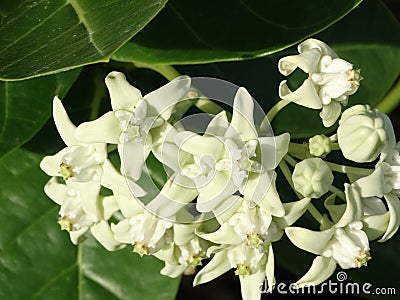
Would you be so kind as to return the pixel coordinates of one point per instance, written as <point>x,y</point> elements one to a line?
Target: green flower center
<point>141,248</point>
<point>65,223</point>
<point>362,259</point>
<point>66,171</point>
<point>242,270</point>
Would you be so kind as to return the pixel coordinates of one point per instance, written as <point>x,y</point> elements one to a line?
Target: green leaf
<point>26,105</point>
<point>37,260</point>
<point>42,37</point>
<point>228,30</point>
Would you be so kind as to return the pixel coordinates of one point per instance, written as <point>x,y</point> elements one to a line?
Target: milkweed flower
<point>330,79</point>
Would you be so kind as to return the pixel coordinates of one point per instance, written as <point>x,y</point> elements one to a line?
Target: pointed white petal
<point>122,231</point>
<point>63,123</point>
<point>307,61</point>
<point>172,198</point>
<point>242,122</point>
<point>218,265</point>
<point>390,139</point>
<point>110,206</point>
<point>316,44</point>
<point>218,125</point>
<point>293,211</point>
<point>56,191</point>
<point>76,236</point>
<point>183,233</point>
<point>103,234</point>
<point>394,219</point>
<point>354,209</point>
<point>199,145</point>
<point>116,182</point>
<point>133,156</point>
<point>270,268</point>
<point>173,271</point>
<point>122,94</point>
<point>330,113</point>
<point>51,164</point>
<point>262,190</point>
<point>224,235</point>
<point>376,225</point>
<point>164,99</point>
<point>129,206</point>
<point>250,285</point>
<point>372,185</point>
<point>89,195</point>
<point>273,149</point>
<point>309,240</point>
<point>305,95</point>
<point>321,269</point>
<point>105,129</point>
<point>215,192</point>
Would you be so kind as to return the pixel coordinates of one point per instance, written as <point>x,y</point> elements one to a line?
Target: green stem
<point>391,100</point>
<point>338,192</point>
<point>300,151</point>
<point>169,72</point>
<point>99,91</point>
<point>275,109</point>
<point>290,160</point>
<point>347,169</point>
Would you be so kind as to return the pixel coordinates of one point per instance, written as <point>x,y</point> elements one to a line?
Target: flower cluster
<point>221,199</point>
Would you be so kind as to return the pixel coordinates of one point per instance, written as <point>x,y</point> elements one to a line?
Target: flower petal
<point>293,211</point>
<point>63,123</point>
<point>51,164</point>
<point>316,44</point>
<point>56,191</point>
<point>336,211</point>
<point>224,235</point>
<point>119,183</point>
<point>122,94</point>
<point>103,234</point>
<point>354,209</point>
<point>183,233</point>
<point>376,225</point>
<point>309,240</point>
<point>330,113</point>
<point>199,145</point>
<point>321,269</point>
<point>305,95</point>
<point>394,220</point>
<point>216,191</point>
<point>218,265</point>
<point>173,271</point>
<point>163,99</point>
<point>110,206</point>
<point>89,195</point>
<point>172,198</point>
<point>133,156</point>
<point>250,285</point>
<point>242,122</point>
<point>371,185</point>
<point>105,129</point>
<point>76,236</point>
<point>218,125</point>
<point>307,61</point>
<point>273,149</point>
<point>129,206</point>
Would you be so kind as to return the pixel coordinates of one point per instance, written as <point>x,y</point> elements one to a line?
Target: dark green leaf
<point>37,260</point>
<point>184,33</point>
<point>41,37</point>
<point>26,105</point>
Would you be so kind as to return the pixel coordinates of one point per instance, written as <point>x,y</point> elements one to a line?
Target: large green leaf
<point>37,260</point>
<point>26,105</point>
<point>41,37</point>
<point>223,30</point>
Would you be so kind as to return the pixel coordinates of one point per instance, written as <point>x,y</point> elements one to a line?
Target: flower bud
<point>364,133</point>
<point>320,145</point>
<point>312,177</point>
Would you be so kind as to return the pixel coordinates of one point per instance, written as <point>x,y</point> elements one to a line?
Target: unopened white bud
<point>320,145</point>
<point>312,177</point>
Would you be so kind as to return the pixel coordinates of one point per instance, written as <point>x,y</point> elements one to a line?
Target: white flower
<point>78,161</point>
<point>80,206</point>
<point>331,79</point>
<point>238,159</point>
<point>345,243</point>
<point>319,145</point>
<point>144,231</point>
<point>132,118</point>
<point>364,134</point>
<point>312,177</point>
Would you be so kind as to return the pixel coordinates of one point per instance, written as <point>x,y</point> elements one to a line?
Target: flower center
<point>65,223</point>
<point>141,248</point>
<point>66,171</point>
<point>362,259</point>
<point>242,270</point>
<point>254,239</point>
<point>195,260</point>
